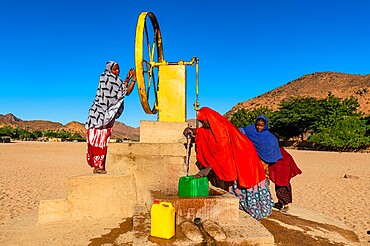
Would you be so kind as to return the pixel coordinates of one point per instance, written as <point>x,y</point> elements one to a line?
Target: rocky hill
<point>120,130</point>
<point>316,85</point>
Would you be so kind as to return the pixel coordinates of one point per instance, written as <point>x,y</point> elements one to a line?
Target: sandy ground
<point>33,171</point>
<point>322,186</point>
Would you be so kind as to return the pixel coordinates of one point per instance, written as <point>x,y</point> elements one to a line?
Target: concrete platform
<point>220,206</point>
<point>302,227</point>
<point>113,209</point>
<point>246,231</point>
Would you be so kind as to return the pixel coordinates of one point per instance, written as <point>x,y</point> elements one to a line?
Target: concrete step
<point>149,149</point>
<point>92,196</point>
<point>157,166</point>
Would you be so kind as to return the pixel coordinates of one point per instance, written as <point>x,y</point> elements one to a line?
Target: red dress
<point>284,169</point>
<point>97,145</point>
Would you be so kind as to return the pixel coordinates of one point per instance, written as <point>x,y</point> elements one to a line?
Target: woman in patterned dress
<point>222,148</point>
<point>106,108</point>
<point>279,165</point>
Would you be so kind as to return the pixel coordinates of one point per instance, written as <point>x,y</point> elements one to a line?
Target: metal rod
<point>188,142</point>
<point>196,103</point>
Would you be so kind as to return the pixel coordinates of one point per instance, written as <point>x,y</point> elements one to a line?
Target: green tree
<point>334,123</point>
<point>18,131</point>
<point>50,134</point>
<point>367,122</point>
<point>77,136</point>
<point>244,118</point>
<point>7,130</point>
<point>63,134</point>
<point>348,133</point>
<point>296,116</point>
<point>334,109</point>
<point>37,133</point>
<point>25,134</point>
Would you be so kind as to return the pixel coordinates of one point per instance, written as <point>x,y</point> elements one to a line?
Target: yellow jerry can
<point>162,220</point>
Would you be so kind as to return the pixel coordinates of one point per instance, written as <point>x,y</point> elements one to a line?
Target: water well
<point>140,172</point>
<point>220,206</point>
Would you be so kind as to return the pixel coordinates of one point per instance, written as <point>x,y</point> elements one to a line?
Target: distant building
<point>55,140</point>
<point>5,139</point>
<point>113,140</point>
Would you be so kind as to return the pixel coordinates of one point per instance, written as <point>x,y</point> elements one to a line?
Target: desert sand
<point>332,183</point>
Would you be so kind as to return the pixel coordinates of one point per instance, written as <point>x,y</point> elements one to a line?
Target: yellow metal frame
<point>140,62</point>
<point>146,68</point>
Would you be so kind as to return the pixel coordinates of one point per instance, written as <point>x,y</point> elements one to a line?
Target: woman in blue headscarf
<point>266,143</point>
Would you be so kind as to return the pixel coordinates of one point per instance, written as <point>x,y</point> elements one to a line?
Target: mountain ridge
<point>316,85</point>
<point>120,130</point>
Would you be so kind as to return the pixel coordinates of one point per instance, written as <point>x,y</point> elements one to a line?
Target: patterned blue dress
<point>256,201</point>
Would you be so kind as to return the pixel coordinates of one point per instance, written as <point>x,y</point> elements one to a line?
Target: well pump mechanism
<point>161,84</point>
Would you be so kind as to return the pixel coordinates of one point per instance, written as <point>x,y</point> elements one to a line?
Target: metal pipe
<point>188,143</point>
<point>196,103</point>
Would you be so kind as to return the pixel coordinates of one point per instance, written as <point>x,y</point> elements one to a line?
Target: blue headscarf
<point>265,142</point>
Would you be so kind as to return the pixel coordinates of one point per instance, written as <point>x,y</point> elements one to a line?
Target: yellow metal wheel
<point>148,52</point>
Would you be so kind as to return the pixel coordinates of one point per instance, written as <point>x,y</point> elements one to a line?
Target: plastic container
<point>162,220</point>
<point>193,187</point>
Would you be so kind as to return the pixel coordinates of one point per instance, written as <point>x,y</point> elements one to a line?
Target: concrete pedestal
<point>133,171</point>
<point>162,132</point>
<point>92,196</point>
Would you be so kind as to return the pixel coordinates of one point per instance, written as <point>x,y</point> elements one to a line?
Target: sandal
<point>100,171</point>
<point>278,206</point>
<point>284,210</point>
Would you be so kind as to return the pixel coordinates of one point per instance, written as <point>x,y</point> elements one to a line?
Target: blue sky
<point>52,52</point>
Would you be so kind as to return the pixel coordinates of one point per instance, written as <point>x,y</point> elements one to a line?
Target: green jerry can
<point>193,187</point>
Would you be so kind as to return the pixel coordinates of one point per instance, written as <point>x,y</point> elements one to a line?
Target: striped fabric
<point>108,103</point>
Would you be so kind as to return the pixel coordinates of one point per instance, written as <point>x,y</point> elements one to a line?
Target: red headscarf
<point>227,151</point>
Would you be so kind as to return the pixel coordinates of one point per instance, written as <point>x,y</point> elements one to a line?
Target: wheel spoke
<point>147,41</point>
<point>148,87</point>
<point>148,51</point>
<point>154,89</point>
<point>153,51</point>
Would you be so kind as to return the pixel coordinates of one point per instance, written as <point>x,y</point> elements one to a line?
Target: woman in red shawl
<point>280,174</point>
<point>221,147</point>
